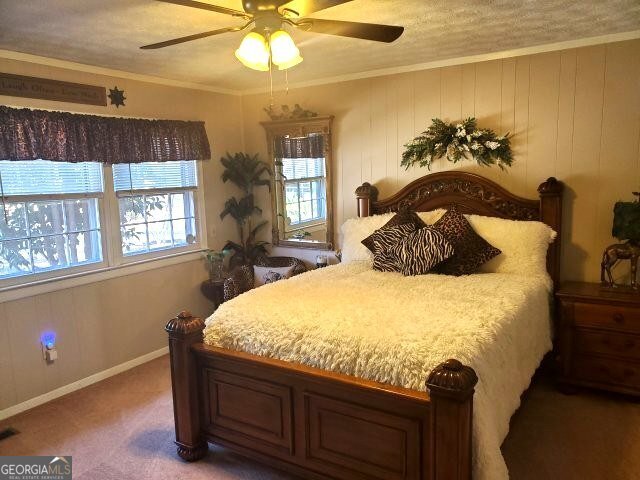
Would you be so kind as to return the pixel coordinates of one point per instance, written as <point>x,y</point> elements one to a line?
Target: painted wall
<point>103,324</point>
<point>575,115</point>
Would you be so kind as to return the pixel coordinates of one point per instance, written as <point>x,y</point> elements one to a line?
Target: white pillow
<point>524,244</point>
<point>432,216</point>
<point>354,230</point>
<point>264,275</point>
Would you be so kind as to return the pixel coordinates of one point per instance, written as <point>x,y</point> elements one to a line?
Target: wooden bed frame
<point>324,425</point>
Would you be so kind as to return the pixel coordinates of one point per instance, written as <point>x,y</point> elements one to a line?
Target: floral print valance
<point>27,134</point>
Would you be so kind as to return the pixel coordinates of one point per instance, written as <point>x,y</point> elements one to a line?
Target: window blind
<point>297,168</point>
<point>43,177</point>
<point>154,175</point>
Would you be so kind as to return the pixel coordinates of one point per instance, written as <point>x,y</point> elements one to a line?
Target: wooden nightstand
<point>214,291</point>
<point>598,338</point>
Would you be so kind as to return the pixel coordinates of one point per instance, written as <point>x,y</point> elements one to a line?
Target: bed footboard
<point>315,423</point>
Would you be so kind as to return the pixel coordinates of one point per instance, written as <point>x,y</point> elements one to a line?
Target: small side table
<point>599,338</point>
<point>214,291</point>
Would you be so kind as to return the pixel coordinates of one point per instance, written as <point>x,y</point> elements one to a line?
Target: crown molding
<point>518,52</point>
<point>82,67</point>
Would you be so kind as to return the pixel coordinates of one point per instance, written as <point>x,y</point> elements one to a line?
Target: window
<point>156,205</point>
<point>49,216</point>
<point>304,186</point>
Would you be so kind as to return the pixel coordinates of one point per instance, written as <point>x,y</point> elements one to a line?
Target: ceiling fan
<point>268,43</point>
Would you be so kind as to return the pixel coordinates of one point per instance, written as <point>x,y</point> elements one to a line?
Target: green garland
<point>458,142</point>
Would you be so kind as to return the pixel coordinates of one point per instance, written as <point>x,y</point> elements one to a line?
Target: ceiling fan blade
<point>366,31</point>
<point>188,38</point>
<point>307,7</point>
<point>207,6</point>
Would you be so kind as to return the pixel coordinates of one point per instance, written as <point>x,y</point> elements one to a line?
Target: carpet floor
<point>122,428</point>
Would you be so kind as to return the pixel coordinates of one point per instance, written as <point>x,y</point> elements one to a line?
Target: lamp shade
<point>626,221</point>
<point>284,52</point>
<point>254,52</point>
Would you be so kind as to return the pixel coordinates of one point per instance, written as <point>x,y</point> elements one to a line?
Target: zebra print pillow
<point>420,251</point>
<point>383,239</point>
<point>403,217</point>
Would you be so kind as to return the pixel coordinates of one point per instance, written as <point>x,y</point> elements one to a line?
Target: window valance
<point>27,134</point>
<point>311,146</point>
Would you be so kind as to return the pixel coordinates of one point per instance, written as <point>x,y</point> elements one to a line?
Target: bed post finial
<point>184,330</point>
<point>451,386</point>
<point>366,195</point>
<point>551,193</point>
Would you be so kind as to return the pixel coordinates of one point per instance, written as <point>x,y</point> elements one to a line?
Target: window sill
<point>38,287</point>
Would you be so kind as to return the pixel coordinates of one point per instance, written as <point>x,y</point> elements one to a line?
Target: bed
<point>322,418</point>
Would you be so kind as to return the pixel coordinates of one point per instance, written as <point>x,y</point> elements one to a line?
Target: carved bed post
<point>451,386</point>
<point>366,195</point>
<point>551,214</point>
<point>185,330</point>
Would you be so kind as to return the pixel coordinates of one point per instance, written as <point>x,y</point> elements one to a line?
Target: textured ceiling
<point>107,33</point>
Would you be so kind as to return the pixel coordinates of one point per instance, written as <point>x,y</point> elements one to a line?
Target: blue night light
<point>48,339</point>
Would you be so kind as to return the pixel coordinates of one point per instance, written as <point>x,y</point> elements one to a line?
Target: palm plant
<point>246,172</point>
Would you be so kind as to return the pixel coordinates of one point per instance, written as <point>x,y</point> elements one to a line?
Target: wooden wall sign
<point>33,87</point>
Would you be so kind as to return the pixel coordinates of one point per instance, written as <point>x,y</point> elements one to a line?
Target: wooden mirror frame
<point>300,127</point>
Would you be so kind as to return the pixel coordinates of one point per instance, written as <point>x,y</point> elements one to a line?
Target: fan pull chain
<point>286,81</point>
<point>4,205</point>
<point>271,103</point>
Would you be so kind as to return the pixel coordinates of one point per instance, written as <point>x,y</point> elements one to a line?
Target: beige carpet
<point>122,428</point>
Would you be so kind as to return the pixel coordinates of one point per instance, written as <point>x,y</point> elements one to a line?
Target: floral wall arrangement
<point>458,142</point>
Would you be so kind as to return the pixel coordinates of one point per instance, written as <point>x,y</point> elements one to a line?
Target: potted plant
<point>246,172</point>
<point>215,263</point>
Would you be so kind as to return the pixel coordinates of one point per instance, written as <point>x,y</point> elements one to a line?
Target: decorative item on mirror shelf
<point>458,142</point>
<point>289,114</point>
<point>246,172</point>
<point>301,235</point>
<point>626,226</point>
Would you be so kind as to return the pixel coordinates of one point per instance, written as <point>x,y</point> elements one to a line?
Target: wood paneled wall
<point>575,114</point>
<point>103,324</point>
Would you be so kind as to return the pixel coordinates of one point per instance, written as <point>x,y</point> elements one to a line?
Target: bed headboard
<point>472,193</point>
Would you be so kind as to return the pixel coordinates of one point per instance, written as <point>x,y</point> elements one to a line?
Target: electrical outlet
<point>50,354</point>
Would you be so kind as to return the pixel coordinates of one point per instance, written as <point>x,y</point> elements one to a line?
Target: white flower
<point>468,138</point>
<point>465,147</point>
<point>475,146</point>
<point>459,126</point>
<point>476,134</point>
<point>491,145</point>
<point>461,132</point>
<point>437,145</point>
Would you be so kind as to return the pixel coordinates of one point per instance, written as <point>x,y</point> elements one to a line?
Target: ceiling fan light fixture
<point>254,52</point>
<point>284,52</point>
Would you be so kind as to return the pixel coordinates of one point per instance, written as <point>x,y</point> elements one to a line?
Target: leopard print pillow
<point>403,217</point>
<point>471,250</point>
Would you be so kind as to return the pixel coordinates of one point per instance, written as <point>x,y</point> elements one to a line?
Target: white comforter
<point>393,329</point>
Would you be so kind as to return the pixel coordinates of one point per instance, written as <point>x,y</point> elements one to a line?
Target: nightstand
<point>598,338</point>
<point>214,291</point>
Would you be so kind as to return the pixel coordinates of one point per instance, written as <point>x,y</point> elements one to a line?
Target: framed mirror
<point>301,193</point>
